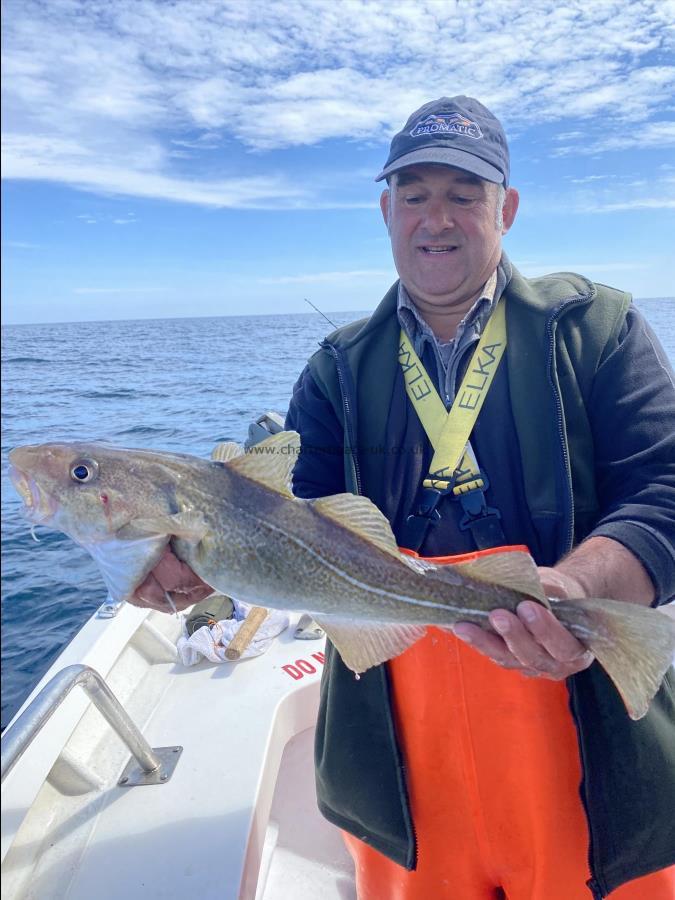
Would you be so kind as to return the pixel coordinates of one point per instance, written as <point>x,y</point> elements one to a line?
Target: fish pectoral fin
<point>226,451</point>
<point>188,525</point>
<point>124,562</point>
<point>365,644</point>
<point>361,516</point>
<point>271,462</point>
<point>514,569</point>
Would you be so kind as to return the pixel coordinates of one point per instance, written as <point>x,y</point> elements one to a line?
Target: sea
<point>166,384</point>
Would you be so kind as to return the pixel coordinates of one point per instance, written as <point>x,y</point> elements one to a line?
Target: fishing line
<point>320,313</point>
<point>171,603</point>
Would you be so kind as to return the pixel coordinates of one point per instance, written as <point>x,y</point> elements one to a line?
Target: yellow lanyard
<point>453,462</point>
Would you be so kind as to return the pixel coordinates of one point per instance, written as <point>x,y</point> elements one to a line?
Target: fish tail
<point>634,644</point>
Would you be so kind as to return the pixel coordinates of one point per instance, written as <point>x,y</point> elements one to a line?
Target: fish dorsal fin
<point>360,515</point>
<point>363,645</point>
<point>514,569</point>
<point>226,450</point>
<point>271,462</point>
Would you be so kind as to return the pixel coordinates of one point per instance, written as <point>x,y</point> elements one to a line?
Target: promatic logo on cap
<point>453,123</point>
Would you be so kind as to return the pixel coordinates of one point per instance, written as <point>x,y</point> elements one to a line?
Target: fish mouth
<point>38,506</point>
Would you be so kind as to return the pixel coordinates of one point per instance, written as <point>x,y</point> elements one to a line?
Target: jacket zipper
<point>595,890</point>
<point>560,420</point>
<point>346,408</point>
<point>593,883</point>
<point>403,784</point>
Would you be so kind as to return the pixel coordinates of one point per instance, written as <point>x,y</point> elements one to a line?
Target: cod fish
<point>235,521</point>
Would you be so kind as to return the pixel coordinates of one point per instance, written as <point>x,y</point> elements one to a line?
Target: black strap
<point>417,525</point>
<point>483,521</point>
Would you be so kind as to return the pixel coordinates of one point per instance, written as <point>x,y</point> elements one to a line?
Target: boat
<point>128,775</point>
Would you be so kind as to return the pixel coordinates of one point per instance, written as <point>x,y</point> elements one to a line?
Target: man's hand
<point>533,641</point>
<point>174,577</point>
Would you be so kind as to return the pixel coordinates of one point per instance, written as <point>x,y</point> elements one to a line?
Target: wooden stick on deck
<point>246,633</point>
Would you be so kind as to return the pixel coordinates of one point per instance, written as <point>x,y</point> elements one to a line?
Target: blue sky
<point>213,157</point>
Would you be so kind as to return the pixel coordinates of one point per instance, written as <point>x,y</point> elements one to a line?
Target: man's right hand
<point>174,577</point>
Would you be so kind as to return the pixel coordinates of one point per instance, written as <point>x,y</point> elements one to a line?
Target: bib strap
<point>454,468</point>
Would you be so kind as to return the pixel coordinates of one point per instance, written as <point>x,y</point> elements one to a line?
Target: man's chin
<point>435,298</point>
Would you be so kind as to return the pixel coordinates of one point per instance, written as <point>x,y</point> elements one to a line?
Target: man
<point>451,776</point>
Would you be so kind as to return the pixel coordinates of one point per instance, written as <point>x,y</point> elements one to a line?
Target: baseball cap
<point>452,131</point>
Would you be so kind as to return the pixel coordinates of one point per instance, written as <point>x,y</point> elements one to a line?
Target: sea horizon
<point>225,315</point>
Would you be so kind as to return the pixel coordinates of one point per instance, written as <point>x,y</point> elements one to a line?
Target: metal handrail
<point>17,738</point>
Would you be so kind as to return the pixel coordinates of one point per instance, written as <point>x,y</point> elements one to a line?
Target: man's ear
<point>510,208</point>
<point>385,206</point>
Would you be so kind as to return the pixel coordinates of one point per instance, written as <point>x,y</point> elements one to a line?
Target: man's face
<point>444,233</point>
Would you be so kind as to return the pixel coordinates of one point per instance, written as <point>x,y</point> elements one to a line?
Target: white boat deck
<point>237,819</point>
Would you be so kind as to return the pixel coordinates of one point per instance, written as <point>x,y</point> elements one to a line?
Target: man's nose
<point>439,217</point>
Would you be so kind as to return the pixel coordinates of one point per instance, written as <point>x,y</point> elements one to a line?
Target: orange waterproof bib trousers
<point>493,774</point>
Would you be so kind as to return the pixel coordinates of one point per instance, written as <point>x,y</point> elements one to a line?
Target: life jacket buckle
<point>481,520</point>
<point>474,504</point>
<point>429,500</point>
<point>417,524</point>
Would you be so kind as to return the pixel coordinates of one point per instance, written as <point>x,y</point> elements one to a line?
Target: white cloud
<point>532,269</point>
<point>328,277</point>
<point>119,290</point>
<point>637,203</point>
<point>588,178</point>
<point>205,141</point>
<point>77,166</point>
<point>145,84</point>
<point>641,135</point>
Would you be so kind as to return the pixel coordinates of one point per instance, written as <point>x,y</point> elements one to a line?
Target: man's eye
<point>464,201</point>
<point>413,199</point>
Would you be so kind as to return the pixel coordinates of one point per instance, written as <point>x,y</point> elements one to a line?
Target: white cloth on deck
<point>211,642</point>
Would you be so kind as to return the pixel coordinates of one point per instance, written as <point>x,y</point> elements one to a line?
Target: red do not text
<point>302,667</point>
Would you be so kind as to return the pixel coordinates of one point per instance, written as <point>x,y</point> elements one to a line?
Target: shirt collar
<point>418,330</point>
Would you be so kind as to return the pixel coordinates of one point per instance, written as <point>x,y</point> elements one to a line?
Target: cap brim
<point>445,156</point>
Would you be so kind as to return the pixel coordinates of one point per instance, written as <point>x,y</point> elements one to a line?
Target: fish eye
<point>84,470</point>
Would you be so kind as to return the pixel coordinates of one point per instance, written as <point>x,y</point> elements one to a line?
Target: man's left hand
<point>532,640</point>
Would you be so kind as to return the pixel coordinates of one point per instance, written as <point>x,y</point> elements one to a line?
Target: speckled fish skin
<point>250,538</point>
<point>258,545</point>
